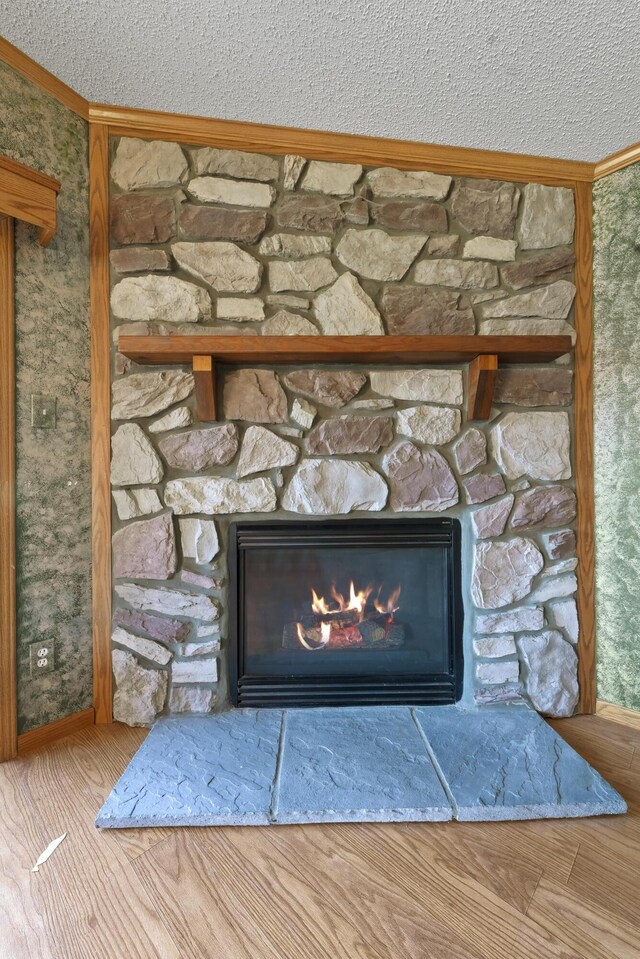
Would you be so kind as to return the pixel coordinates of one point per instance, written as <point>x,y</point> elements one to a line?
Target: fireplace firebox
<point>345,612</point>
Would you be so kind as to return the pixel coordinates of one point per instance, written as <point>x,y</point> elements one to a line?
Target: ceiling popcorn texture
<point>548,78</point>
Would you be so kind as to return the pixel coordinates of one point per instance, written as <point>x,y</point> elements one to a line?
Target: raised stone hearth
<point>222,241</point>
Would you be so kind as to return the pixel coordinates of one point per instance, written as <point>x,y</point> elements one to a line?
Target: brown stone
<point>145,549</point>
<point>255,396</point>
<point>304,211</point>
<point>483,486</point>
<point>328,387</point>
<point>528,386</point>
<point>213,223</point>
<point>560,545</point>
<point>443,245</point>
<point>489,207</point>
<point>143,218</point>
<point>544,506</point>
<point>412,309</point>
<point>169,630</point>
<point>409,215</point>
<point>419,479</point>
<point>200,449</point>
<point>350,434</point>
<point>140,259</point>
<point>543,268</point>
<point>356,211</point>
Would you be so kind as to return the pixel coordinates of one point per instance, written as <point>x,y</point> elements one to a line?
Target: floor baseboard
<point>618,714</point>
<point>52,731</point>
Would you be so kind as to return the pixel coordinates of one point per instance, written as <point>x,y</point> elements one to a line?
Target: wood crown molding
<point>45,735</point>
<point>28,195</point>
<point>31,70</point>
<point>617,161</point>
<point>339,147</point>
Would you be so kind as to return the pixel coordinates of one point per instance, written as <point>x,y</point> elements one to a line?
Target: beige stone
<point>284,323</point>
<point>388,182</point>
<point>548,217</point>
<point>535,444</point>
<point>199,538</point>
<point>140,693</point>
<point>378,255</point>
<point>133,503</point>
<point>143,394</point>
<point>429,424</point>
<point>503,573</point>
<point>191,699</point>
<point>514,621</point>
<point>263,450</point>
<point>564,615</point>
<point>346,310</point>
<point>463,275</point>
<point>494,647</point>
<point>240,310</point>
<point>293,165</point>
<point>255,396</point>
<point>555,588</point>
<point>139,164</point>
<point>224,266</point>
<point>429,386</point>
<point>294,245</point>
<point>336,179</point>
<point>133,458</point>
<point>551,302</point>
<point>169,602</point>
<point>489,248</point>
<point>166,299</point>
<point>213,495</point>
<point>303,413</point>
<point>470,450</point>
<point>146,648</point>
<point>194,671</point>
<point>334,487</point>
<point>305,275</point>
<point>493,673</point>
<point>550,673</point>
<point>211,189</point>
<point>234,163</point>
<point>173,420</point>
<point>529,327</point>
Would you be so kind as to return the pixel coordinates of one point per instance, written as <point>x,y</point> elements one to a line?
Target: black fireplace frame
<point>298,691</point>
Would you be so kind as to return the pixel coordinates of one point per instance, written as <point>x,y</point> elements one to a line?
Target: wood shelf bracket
<point>204,374</point>
<point>483,372</point>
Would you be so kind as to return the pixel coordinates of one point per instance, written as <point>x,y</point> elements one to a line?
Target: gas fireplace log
<point>369,634</point>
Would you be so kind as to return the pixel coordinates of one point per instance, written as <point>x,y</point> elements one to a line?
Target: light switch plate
<point>41,657</point>
<point>43,412</point>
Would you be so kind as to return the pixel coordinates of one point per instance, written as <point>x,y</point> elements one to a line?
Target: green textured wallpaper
<point>617,434</point>
<point>52,358</point>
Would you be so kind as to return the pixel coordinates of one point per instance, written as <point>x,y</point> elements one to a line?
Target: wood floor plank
<point>595,933</point>
<point>564,889</point>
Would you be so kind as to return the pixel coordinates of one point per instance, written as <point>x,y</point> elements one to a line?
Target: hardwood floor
<point>540,890</point>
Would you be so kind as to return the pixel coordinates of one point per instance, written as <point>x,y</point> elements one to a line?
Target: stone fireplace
<point>224,242</point>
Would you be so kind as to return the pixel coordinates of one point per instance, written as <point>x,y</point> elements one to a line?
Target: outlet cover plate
<point>41,657</point>
<point>43,411</point>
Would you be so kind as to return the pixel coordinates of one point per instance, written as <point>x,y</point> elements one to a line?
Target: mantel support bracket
<point>204,374</point>
<point>483,372</point>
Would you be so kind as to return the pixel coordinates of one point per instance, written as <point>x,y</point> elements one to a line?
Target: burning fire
<point>338,622</point>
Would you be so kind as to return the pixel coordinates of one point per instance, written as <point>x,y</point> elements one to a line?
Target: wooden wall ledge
<point>28,195</point>
<point>484,353</point>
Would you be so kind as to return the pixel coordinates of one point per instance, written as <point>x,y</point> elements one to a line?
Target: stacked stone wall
<point>208,240</point>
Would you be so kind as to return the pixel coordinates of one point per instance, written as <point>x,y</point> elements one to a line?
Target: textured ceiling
<point>554,77</point>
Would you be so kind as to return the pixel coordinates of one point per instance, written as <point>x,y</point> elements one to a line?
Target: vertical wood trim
<point>8,699</point>
<point>100,420</point>
<point>584,449</point>
<point>204,375</point>
<point>483,372</point>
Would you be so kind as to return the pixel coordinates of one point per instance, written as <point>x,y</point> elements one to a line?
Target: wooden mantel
<point>28,195</point>
<point>483,353</point>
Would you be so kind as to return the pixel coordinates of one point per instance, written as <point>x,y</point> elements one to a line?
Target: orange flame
<point>390,606</point>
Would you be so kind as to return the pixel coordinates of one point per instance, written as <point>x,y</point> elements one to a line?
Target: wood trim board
<point>45,735</point>
<point>618,714</point>
<point>100,420</point>
<point>8,697</point>
<point>341,147</point>
<point>617,161</point>
<point>583,440</point>
<point>28,195</point>
<point>31,70</point>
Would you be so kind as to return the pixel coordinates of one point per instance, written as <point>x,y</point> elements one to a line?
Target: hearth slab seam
<point>275,789</point>
<point>436,765</point>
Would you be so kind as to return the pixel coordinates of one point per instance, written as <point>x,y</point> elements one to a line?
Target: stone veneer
<point>230,242</point>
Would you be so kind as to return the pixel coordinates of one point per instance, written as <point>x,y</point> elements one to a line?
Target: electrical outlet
<point>43,412</point>
<point>41,657</point>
